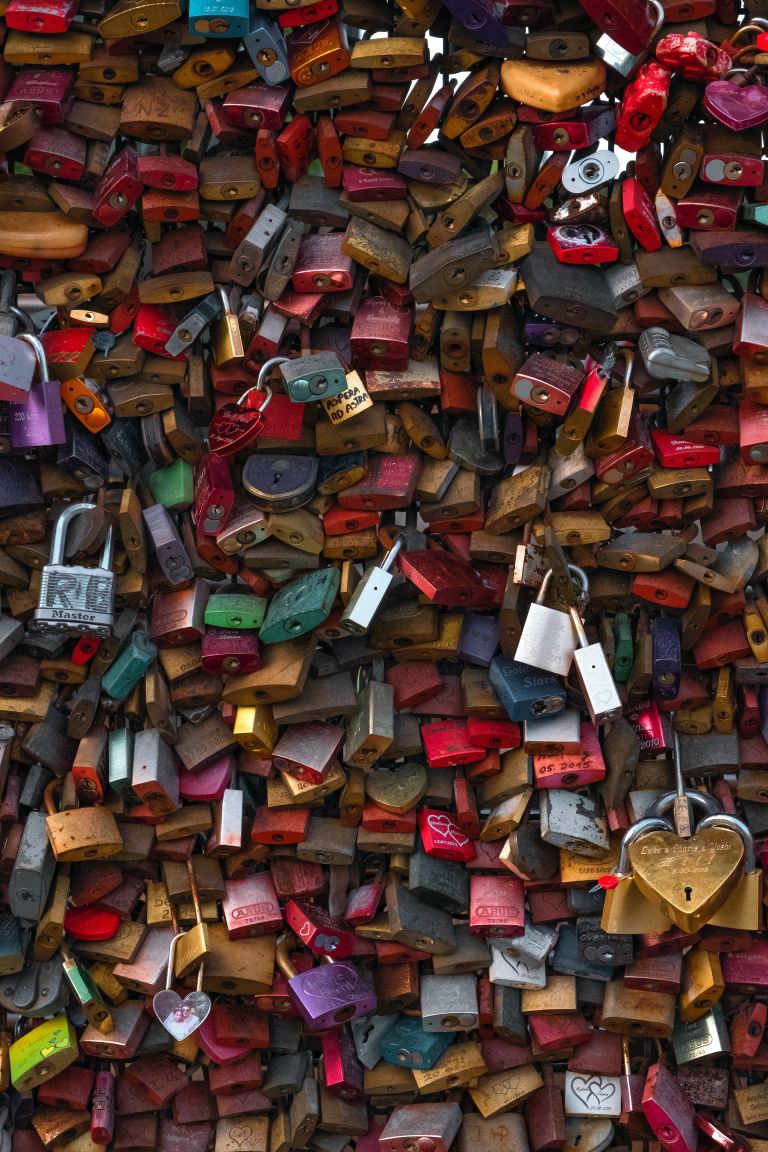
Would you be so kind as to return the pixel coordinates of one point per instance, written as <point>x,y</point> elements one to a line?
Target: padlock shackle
<point>723,820</point>
<point>172,959</point>
<point>107,548</point>
<point>52,789</point>
<point>664,803</point>
<point>37,346</point>
<point>392,554</point>
<point>62,524</point>
<point>647,824</point>
<point>281,957</point>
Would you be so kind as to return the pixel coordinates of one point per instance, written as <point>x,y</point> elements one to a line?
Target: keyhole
<point>688,891</point>
<point>578,1138</point>
<point>277,477</point>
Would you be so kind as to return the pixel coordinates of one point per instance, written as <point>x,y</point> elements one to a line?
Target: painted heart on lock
<point>738,108</point>
<point>180,1017</point>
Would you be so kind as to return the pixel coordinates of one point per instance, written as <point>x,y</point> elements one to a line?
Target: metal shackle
<point>708,804</point>
<point>723,820</point>
<point>36,345</point>
<point>647,824</point>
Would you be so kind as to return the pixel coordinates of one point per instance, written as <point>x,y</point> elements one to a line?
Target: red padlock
<point>642,106</point>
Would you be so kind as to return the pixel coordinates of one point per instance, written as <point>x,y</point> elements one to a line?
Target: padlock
<point>38,420</point>
<point>75,600</point>
<point>548,639</point>
<point>326,996</point>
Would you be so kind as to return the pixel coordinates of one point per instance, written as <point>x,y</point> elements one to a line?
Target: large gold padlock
<point>80,833</point>
<point>687,878</point>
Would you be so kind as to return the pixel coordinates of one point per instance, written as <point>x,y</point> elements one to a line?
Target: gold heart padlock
<point>688,879</point>
<point>689,876</point>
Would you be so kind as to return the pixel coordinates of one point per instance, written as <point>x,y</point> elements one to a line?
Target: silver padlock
<point>11,634</point>
<point>33,871</point>
<point>510,970</point>
<point>76,600</point>
<point>574,822</point>
<point>553,734</point>
<point>266,47</point>
<point>449,1003</point>
<point>597,683</point>
<point>668,357</point>
<point>548,639</point>
<point>590,172</point>
<point>369,595</point>
<point>18,365</point>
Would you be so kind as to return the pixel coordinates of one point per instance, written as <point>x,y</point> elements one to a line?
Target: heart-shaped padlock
<point>689,879</point>
<point>181,1017</point>
<point>234,426</point>
<point>738,107</point>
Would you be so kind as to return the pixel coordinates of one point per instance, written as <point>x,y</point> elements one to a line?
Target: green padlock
<point>173,486</point>
<point>86,993</point>
<point>625,653</point>
<point>42,1053</point>
<point>234,610</point>
<point>121,678</point>
<point>302,605</point>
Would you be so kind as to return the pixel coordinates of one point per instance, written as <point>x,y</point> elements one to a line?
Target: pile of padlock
<point>384,632</point>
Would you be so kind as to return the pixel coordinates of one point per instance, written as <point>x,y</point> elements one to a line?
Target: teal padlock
<point>234,610</point>
<point>757,213</point>
<point>174,485</point>
<point>300,606</point>
<point>625,652</point>
<point>408,1045</point>
<point>120,759</point>
<point>121,678</point>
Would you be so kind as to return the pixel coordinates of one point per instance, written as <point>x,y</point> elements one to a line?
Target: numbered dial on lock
<point>688,879</point>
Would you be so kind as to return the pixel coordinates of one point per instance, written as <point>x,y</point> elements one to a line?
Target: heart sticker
<point>233,428</point>
<point>181,1017</point>
<point>736,107</point>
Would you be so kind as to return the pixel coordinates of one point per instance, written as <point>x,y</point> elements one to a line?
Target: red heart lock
<point>233,428</point>
<point>91,923</point>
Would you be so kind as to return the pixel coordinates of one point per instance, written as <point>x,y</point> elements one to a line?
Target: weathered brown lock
<point>80,833</point>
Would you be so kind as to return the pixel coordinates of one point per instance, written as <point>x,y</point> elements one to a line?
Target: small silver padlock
<point>589,172</point>
<point>595,678</point>
<point>17,368</point>
<point>670,357</point>
<point>548,639</point>
<point>369,595</point>
<point>449,1003</point>
<point>76,600</point>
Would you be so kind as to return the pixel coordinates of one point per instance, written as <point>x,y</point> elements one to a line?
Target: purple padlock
<point>479,638</point>
<point>327,996</point>
<point>512,440</point>
<point>39,421</point>
<point>540,332</point>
